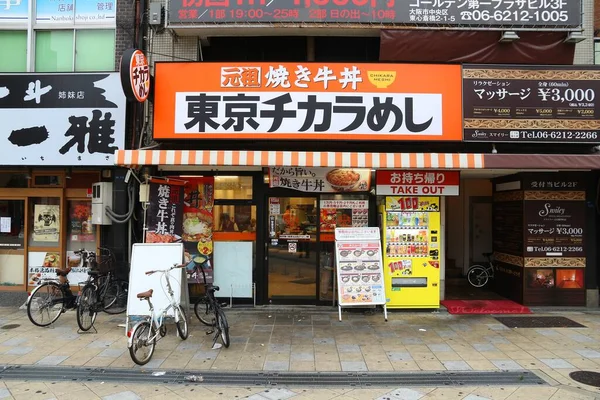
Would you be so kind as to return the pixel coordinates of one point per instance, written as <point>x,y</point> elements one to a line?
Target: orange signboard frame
<point>416,80</point>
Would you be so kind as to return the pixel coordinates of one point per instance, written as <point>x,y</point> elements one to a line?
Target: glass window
<point>13,43</point>
<point>12,224</point>
<point>54,51</point>
<point>44,225</point>
<point>597,52</point>
<point>233,187</point>
<point>13,180</point>
<point>95,50</point>
<point>234,218</point>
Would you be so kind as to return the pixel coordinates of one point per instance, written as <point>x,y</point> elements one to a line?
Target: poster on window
<point>80,222</point>
<point>42,265</point>
<point>46,223</point>
<point>164,216</point>
<point>199,195</point>
<point>14,12</point>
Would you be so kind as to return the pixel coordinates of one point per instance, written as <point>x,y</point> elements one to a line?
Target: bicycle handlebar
<point>165,270</point>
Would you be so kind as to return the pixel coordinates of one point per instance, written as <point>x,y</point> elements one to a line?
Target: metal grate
<point>291,379</point>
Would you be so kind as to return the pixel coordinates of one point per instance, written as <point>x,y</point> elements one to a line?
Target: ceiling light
<point>508,36</point>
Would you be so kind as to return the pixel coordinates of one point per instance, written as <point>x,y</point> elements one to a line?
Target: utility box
<point>155,14</point>
<point>102,197</point>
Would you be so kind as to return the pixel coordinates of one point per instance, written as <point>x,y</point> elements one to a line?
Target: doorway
<point>292,252</point>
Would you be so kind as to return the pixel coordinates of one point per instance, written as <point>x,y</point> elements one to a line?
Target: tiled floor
<point>314,340</point>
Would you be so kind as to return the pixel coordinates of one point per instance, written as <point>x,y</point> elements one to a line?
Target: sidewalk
<point>314,340</point>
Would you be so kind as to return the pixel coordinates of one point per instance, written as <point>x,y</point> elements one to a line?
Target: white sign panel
<point>61,119</point>
<point>359,267</point>
<point>218,112</point>
<point>5,224</point>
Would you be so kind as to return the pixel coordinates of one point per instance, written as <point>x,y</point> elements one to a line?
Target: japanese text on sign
<point>391,114</point>
<point>481,13</point>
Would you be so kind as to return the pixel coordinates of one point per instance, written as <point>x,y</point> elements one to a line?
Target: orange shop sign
<point>417,183</point>
<point>326,101</point>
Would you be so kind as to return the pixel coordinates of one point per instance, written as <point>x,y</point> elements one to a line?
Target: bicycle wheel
<point>204,312</point>
<point>46,300</point>
<point>86,310</point>
<point>117,290</point>
<point>477,276</point>
<point>142,349</point>
<point>181,323</point>
<point>223,327</point>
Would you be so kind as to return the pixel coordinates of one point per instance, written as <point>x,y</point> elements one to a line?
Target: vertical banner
<point>198,227</point>
<point>46,224</point>
<point>164,216</point>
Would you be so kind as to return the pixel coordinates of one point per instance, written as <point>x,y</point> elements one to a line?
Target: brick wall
<point>125,28</point>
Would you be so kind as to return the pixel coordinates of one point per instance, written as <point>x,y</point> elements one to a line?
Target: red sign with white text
<point>418,183</point>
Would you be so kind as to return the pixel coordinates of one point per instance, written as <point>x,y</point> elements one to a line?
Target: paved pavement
<point>313,340</point>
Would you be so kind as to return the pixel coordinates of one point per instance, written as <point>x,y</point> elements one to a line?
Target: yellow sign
<point>412,203</point>
<point>381,79</point>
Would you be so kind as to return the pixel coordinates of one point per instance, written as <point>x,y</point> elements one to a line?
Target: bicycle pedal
<point>209,332</point>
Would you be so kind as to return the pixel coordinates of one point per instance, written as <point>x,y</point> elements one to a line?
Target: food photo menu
<point>359,266</point>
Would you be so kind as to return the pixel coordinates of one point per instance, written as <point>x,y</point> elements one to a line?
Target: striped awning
<point>299,159</point>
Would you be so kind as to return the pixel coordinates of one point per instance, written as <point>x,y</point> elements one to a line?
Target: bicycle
<point>210,312</point>
<point>52,297</point>
<point>479,275</point>
<point>101,292</point>
<point>146,333</point>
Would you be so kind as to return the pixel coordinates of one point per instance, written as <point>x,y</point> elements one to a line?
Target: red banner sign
<point>418,183</point>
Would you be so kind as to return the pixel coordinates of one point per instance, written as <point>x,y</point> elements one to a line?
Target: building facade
<point>262,103</point>
<point>63,115</point>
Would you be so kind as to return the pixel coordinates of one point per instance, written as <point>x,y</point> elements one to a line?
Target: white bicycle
<point>144,335</point>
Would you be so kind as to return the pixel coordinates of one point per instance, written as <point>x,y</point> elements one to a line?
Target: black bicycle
<point>101,292</point>
<point>210,312</point>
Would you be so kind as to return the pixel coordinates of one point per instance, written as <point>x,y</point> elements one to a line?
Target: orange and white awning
<point>328,159</point>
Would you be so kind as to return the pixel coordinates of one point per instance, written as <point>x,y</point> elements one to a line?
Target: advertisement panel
<point>417,183</point>
<point>61,119</point>
<point>14,12</point>
<point>79,12</point>
<point>467,13</point>
<point>320,180</point>
<point>551,104</point>
<point>324,101</point>
<point>164,215</point>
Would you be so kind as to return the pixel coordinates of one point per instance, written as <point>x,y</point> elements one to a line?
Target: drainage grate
<point>586,377</point>
<point>539,322</point>
<point>10,326</point>
<point>291,379</point>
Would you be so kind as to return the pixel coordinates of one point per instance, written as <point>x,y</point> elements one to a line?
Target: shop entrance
<point>292,249</point>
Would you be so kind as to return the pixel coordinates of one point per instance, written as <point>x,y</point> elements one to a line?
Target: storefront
<point>59,135</point>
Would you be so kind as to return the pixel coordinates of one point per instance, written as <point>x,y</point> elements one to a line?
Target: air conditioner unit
<point>102,197</point>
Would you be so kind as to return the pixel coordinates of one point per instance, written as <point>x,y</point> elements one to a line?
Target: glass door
<point>12,243</point>
<point>292,249</point>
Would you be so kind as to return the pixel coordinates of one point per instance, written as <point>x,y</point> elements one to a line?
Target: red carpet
<point>484,307</point>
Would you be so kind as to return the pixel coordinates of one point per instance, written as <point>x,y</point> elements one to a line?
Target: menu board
<point>359,266</point>
<point>343,213</point>
<point>554,228</point>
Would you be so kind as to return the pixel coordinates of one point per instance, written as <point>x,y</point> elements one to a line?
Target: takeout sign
<point>417,183</point>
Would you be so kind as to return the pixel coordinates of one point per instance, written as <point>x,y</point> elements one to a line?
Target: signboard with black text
<point>543,104</point>
<point>482,14</point>
<point>61,119</point>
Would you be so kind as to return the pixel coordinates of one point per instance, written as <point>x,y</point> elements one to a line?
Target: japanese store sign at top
<point>473,13</point>
<point>61,119</point>
<point>417,183</point>
<point>307,101</point>
<point>531,104</point>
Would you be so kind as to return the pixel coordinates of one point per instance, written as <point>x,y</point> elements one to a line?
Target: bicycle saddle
<point>63,271</point>
<point>487,254</point>
<point>145,295</point>
<point>214,288</point>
